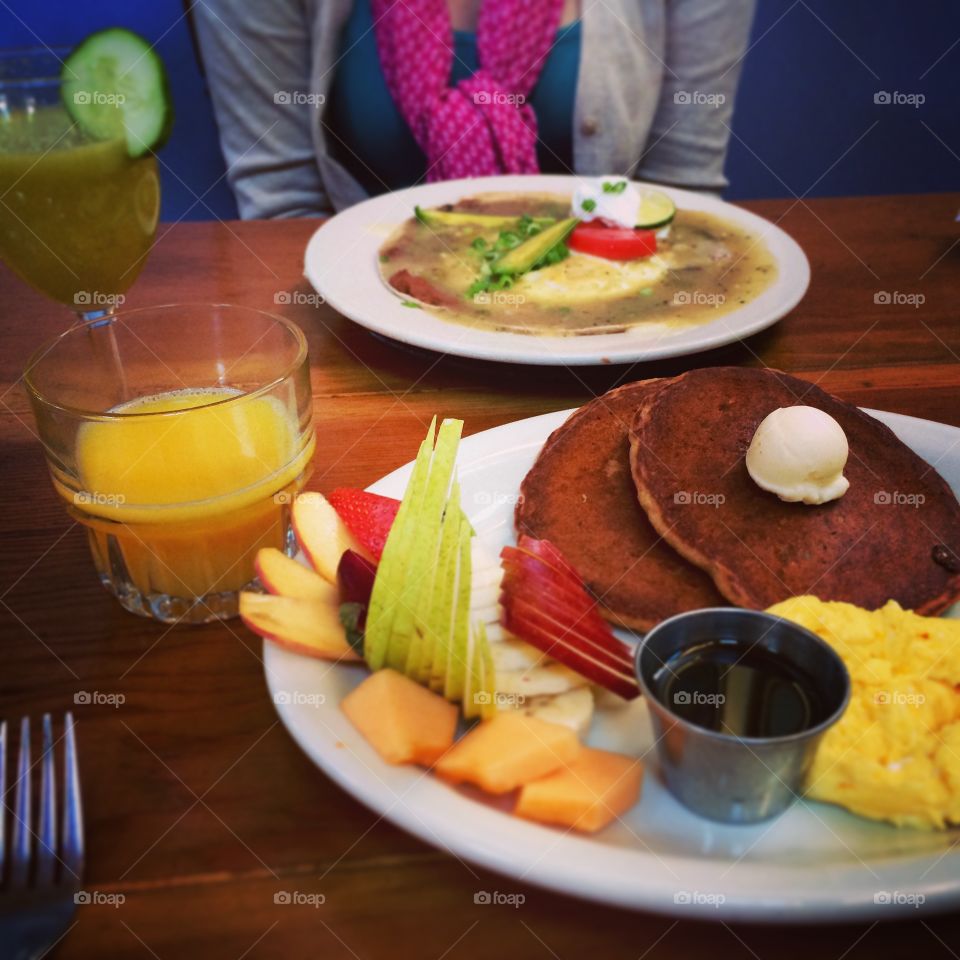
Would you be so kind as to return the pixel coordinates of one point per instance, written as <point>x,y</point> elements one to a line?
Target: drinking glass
<point>178,436</point>
<point>77,215</point>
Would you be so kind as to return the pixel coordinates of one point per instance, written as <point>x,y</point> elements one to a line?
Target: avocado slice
<point>457,218</point>
<point>526,256</point>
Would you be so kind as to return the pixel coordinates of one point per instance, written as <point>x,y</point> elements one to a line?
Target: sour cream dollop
<point>619,202</point>
<point>799,454</point>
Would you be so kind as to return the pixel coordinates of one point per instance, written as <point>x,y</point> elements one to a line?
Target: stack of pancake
<point>646,492</point>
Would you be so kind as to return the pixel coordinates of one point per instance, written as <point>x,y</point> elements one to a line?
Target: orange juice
<point>183,497</point>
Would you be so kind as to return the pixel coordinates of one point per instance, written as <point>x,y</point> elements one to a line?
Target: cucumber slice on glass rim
<point>656,210</point>
<point>114,85</point>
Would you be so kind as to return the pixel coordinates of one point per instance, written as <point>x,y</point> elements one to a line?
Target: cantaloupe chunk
<point>403,722</point>
<point>586,794</point>
<point>508,751</point>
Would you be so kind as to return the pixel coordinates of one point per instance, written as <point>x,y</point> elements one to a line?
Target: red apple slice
<point>309,627</point>
<point>545,603</point>
<point>286,577</point>
<point>322,535</point>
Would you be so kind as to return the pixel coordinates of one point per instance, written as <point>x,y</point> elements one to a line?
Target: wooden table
<point>199,806</point>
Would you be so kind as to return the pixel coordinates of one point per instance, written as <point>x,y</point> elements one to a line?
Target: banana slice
<point>572,709</point>
<point>538,681</point>
<point>511,656</point>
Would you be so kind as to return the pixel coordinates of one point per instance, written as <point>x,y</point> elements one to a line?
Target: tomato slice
<point>612,243</point>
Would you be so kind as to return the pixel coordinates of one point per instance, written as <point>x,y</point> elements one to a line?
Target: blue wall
<point>805,123</point>
<point>807,97</point>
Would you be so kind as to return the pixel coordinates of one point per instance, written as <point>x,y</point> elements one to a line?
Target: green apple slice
<point>386,596</point>
<point>460,640</point>
<point>407,632</point>
<point>441,615</point>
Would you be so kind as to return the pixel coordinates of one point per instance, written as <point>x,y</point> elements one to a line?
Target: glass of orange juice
<point>178,436</point>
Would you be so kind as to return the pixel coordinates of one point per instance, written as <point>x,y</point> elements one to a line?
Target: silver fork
<point>39,877</point>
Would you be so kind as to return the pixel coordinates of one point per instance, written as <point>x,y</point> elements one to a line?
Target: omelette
<point>895,753</point>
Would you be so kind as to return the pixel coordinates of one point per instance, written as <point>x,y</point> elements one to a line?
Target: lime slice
<point>656,210</point>
<point>114,85</point>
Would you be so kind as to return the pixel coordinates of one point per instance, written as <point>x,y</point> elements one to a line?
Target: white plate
<point>815,861</point>
<point>342,264</point>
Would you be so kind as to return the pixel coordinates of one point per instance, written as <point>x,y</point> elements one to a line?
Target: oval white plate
<point>342,264</point>
<point>815,861</point>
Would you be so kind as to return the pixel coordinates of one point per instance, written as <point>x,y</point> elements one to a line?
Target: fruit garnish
<point>309,627</point>
<point>355,576</point>
<point>114,85</point>
<point>286,577</point>
<point>418,621</point>
<point>368,516</point>
<point>546,603</point>
<point>321,534</point>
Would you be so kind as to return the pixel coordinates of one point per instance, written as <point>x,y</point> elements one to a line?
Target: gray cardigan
<point>654,96</point>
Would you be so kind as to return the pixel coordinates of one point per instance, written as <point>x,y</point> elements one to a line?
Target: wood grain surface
<point>199,807</point>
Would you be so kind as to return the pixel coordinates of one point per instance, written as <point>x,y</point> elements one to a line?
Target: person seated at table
<point>320,104</point>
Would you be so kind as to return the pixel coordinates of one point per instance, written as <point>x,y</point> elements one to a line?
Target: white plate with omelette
<point>720,274</point>
<point>815,862</point>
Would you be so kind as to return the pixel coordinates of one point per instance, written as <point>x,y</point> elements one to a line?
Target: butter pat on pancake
<point>895,753</point>
<point>894,534</point>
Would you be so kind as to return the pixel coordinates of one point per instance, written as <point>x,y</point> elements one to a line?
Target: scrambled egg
<point>895,753</point>
<point>581,278</point>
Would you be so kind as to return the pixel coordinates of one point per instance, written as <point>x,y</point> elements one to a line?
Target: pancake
<point>894,535</point>
<point>579,494</point>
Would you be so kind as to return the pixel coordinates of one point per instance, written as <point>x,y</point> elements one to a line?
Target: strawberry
<point>368,516</point>
<point>546,603</point>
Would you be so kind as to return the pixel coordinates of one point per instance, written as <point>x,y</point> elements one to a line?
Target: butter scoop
<point>799,454</point>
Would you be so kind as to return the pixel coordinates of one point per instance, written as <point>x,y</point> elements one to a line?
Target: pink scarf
<point>483,125</point>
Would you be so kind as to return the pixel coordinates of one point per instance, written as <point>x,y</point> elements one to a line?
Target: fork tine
<point>3,797</point>
<point>20,862</point>
<point>47,841</point>
<point>72,833</point>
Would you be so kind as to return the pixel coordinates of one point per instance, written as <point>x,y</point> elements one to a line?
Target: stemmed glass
<point>78,215</point>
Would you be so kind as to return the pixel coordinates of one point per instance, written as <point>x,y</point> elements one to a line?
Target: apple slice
<point>322,535</point>
<point>387,596</point>
<point>283,575</point>
<point>546,604</point>
<point>309,627</point>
